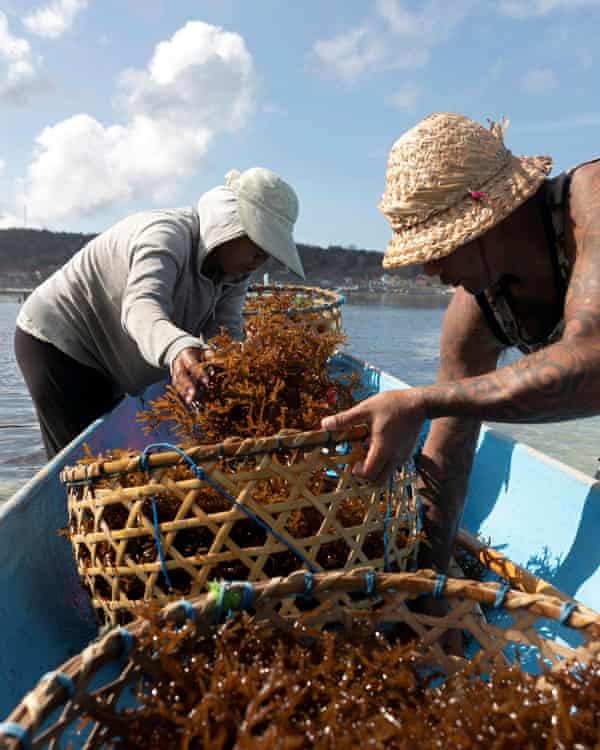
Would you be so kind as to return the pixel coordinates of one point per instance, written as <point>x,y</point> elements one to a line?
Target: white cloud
<point>407,96</point>
<point>2,166</point>
<point>395,38</point>
<point>435,21</point>
<point>197,85</point>
<point>351,53</point>
<point>202,74</point>
<point>539,81</point>
<point>402,35</point>
<point>19,77</point>
<point>54,19</point>
<point>528,8</point>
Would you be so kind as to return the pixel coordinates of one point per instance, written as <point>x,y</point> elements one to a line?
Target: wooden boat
<point>539,513</point>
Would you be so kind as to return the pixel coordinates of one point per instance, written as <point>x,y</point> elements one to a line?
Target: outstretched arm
<point>557,383</point>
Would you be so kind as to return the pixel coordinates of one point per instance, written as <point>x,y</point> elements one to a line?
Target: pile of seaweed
<point>276,379</point>
<point>252,685</point>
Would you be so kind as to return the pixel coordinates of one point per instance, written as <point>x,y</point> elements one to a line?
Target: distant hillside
<point>27,256</point>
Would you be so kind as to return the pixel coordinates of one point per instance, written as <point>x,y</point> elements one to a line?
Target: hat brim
<point>271,235</point>
<point>442,233</point>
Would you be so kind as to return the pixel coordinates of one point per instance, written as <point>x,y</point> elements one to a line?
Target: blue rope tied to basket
<point>161,554</point>
<point>11,729</point>
<point>566,610</point>
<point>386,524</point>
<point>188,610</point>
<point>203,476</point>
<point>126,641</point>
<point>439,586</point>
<point>501,595</point>
<point>229,597</point>
<point>370,578</point>
<point>63,680</point>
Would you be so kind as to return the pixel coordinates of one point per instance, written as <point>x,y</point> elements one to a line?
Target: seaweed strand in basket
<point>255,687</point>
<point>276,379</point>
<point>331,677</point>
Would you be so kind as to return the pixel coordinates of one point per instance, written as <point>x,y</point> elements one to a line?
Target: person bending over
<point>144,297</point>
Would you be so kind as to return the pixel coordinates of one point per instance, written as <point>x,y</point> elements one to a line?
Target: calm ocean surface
<point>398,334</point>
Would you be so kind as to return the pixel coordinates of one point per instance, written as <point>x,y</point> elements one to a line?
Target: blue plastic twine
<point>501,595</point>
<point>201,474</point>
<point>126,641</point>
<point>370,582</point>
<point>247,595</point>
<point>221,599</point>
<point>11,729</point>
<point>566,610</point>
<point>440,585</point>
<point>188,610</point>
<point>63,680</point>
<point>161,554</point>
<point>156,527</point>
<point>386,524</point>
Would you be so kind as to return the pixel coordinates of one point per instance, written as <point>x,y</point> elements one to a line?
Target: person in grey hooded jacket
<point>145,297</point>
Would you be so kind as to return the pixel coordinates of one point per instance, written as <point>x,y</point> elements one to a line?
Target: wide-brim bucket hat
<point>449,180</point>
<point>268,209</point>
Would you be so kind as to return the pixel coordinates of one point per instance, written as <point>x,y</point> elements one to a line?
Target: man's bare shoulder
<point>584,194</point>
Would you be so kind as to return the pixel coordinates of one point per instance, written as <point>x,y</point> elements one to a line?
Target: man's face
<point>240,256</point>
<point>465,267</point>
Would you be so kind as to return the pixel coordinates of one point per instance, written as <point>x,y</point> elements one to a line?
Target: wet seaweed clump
<point>276,379</point>
<point>253,685</point>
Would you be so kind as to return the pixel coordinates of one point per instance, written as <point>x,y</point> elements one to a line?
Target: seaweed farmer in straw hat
<point>144,297</point>
<point>523,252</point>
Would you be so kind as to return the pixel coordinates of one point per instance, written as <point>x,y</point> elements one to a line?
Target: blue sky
<point>113,106</point>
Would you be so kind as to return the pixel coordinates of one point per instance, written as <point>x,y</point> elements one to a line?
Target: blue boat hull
<point>540,513</point>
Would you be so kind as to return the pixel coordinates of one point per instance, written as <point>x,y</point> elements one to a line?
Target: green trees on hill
<point>37,253</point>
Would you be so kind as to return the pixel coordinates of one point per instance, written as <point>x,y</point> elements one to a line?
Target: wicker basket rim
<point>332,299</point>
<point>420,582</point>
<point>48,693</point>
<point>234,448</point>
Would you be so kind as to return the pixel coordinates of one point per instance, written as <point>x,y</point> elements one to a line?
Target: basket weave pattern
<point>321,515</point>
<point>321,308</point>
<point>50,713</point>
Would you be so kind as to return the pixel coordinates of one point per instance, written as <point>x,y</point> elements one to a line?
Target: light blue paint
<point>523,501</point>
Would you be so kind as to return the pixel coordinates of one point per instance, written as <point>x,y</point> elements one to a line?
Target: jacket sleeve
<point>228,311</point>
<point>157,258</point>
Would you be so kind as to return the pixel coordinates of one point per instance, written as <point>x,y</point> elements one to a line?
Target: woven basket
<point>162,526</point>
<point>322,308</point>
<point>96,681</point>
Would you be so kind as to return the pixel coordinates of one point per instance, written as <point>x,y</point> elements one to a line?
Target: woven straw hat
<point>268,209</point>
<point>449,180</point>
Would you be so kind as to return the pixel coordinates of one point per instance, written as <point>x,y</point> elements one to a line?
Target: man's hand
<point>190,372</point>
<point>395,419</point>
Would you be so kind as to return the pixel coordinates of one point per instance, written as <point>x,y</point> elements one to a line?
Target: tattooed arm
<point>557,383</point>
<point>561,381</point>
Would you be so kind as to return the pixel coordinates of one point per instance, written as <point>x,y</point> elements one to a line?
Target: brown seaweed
<point>250,685</point>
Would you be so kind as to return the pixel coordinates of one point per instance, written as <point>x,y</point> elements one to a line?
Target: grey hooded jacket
<point>130,300</point>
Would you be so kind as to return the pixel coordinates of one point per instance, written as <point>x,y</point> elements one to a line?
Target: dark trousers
<point>67,395</point>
